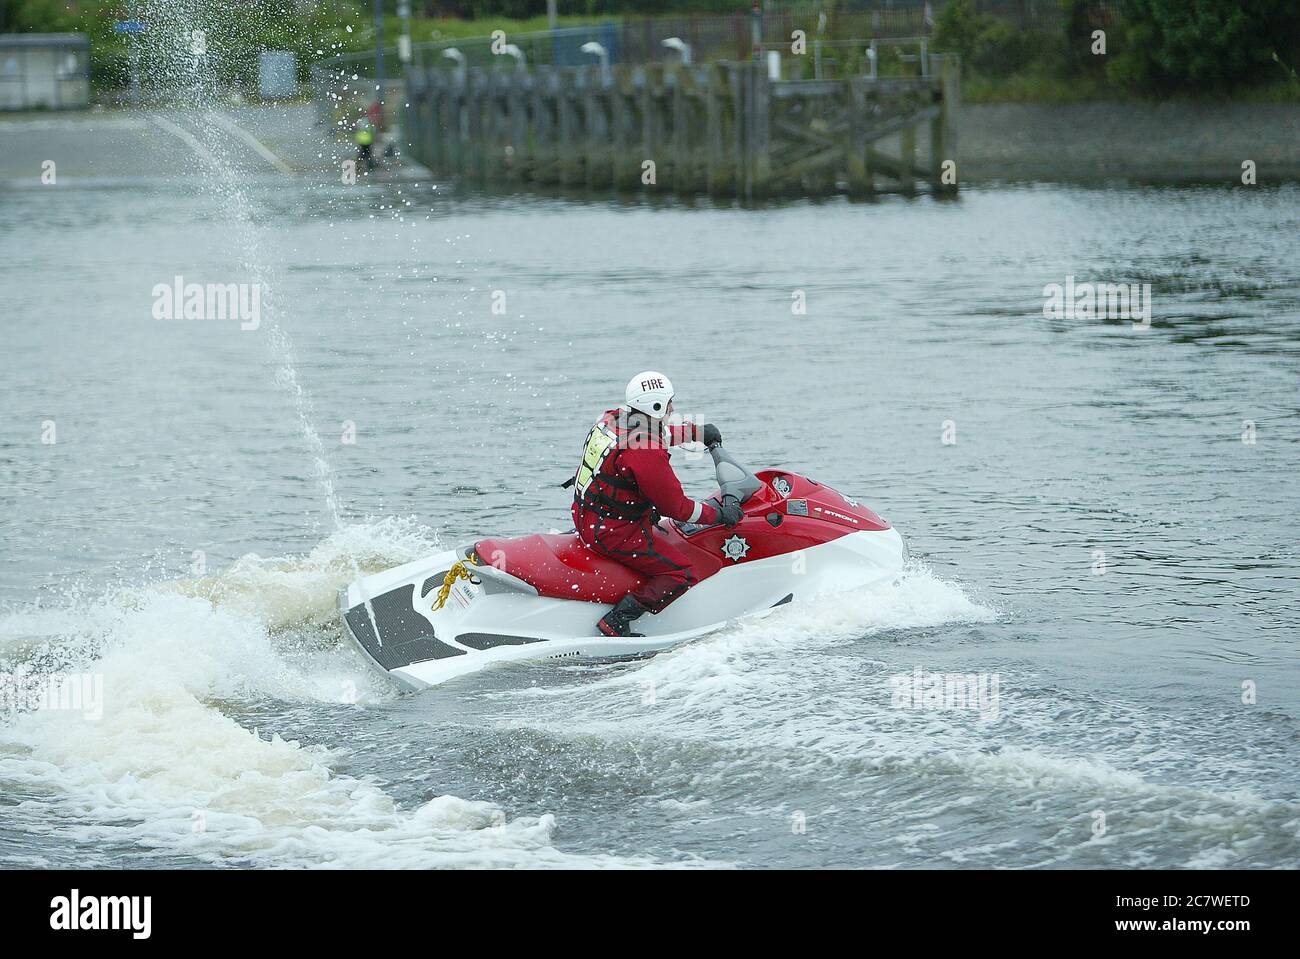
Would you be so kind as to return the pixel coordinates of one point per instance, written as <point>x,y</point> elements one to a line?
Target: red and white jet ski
<point>539,597</point>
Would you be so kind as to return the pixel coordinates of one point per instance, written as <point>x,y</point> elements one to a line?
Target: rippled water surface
<point>1099,536</point>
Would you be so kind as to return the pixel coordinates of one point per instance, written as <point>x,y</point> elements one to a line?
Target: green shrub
<point>989,46</point>
<point>1204,44</point>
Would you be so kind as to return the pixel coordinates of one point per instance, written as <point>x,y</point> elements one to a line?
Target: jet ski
<point>539,597</point>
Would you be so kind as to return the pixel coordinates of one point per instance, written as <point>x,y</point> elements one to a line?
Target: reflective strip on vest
<point>601,441</point>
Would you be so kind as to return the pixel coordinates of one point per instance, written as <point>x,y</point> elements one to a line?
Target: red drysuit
<point>624,478</point>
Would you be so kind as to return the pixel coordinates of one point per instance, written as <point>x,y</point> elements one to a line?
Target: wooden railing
<point>723,128</point>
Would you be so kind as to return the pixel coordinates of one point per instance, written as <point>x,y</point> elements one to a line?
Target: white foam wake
<point>167,769</point>
<point>804,685</point>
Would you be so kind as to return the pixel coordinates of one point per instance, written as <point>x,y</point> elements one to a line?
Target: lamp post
<point>458,58</point>
<point>596,50</point>
<point>681,46</point>
<point>404,41</point>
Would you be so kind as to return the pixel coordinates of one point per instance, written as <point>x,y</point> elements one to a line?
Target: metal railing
<point>342,85</point>
<point>559,48</point>
<point>873,58</point>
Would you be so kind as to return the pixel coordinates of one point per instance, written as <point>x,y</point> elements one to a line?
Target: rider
<point>624,479</point>
<point>365,137</point>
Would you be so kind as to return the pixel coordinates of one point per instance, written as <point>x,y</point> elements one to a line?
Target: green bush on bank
<point>1210,45</point>
<point>1160,48</point>
<point>237,33</point>
<point>1242,48</point>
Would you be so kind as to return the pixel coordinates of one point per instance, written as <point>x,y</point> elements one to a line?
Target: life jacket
<point>597,486</point>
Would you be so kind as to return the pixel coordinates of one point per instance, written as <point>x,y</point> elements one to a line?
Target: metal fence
<point>342,85</point>
<point>898,17</point>
<point>734,36</point>
<point>875,38</point>
<point>552,48</point>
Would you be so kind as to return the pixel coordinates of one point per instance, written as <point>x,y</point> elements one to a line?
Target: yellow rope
<point>458,571</point>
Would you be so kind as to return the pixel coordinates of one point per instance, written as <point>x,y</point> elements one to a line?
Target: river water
<point>1101,518</point>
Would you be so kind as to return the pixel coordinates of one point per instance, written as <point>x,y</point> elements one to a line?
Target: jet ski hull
<point>407,628</point>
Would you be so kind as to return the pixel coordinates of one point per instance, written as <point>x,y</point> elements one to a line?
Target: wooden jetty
<point>724,129</point>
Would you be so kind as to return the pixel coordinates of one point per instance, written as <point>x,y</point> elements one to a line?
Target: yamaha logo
<point>735,548</point>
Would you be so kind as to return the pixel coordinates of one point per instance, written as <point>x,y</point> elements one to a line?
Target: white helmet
<point>649,392</point>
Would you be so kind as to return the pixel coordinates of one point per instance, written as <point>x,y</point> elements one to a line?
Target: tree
<point>1204,44</point>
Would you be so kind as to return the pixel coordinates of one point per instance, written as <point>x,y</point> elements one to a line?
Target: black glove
<point>710,436</point>
<point>730,513</point>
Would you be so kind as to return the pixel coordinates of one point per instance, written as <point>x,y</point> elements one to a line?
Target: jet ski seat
<point>560,565</point>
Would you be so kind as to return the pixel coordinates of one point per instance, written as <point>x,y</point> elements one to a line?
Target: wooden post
<point>586,97</point>
<point>943,133</point>
<point>407,120</point>
<point>582,139</point>
<point>697,105</point>
<point>652,142</point>
<point>430,135</point>
<point>493,140</point>
<point>626,165</point>
<point>758,116</point>
<point>446,130</point>
<point>483,116</point>
<point>458,133</point>
<point>600,169</point>
<point>504,129</point>
<point>907,158</point>
<point>740,118</point>
<point>717,167</point>
<point>859,173</point>
<point>412,119</point>
<point>569,147</point>
<point>519,155</point>
<point>433,136</point>
<point>679,81</point>
<point>543,126</point>
<point>472,161</point>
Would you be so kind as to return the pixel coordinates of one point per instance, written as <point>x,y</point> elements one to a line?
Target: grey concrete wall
<point>1164,142</point>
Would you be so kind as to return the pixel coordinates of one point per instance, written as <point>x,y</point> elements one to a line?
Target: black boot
<point>618,621</point>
